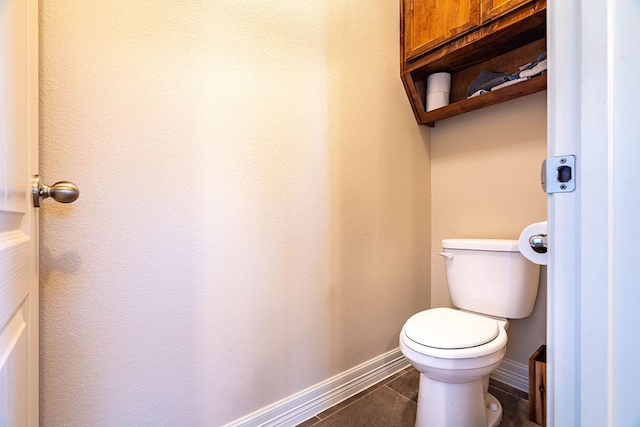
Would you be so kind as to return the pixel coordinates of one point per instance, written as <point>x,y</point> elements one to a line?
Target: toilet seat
<point>453,334</point>
<point>450,329</point>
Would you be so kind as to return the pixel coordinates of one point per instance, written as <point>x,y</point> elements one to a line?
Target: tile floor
<point>392,403</point>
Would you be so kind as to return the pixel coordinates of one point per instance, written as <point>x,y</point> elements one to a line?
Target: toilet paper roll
<point>538,228</point>
<point>438,88</point>
<point>439,82</point>
<point>437,100</point>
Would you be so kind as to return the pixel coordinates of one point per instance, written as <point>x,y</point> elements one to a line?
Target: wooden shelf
<point>535,84</point>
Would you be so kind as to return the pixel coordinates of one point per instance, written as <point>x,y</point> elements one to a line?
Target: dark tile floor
<point>392,403</point>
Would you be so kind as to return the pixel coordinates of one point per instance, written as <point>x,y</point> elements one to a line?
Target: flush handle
<point>62,192</point>
<point>447,255</point>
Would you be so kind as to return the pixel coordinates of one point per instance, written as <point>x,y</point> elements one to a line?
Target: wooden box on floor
<point>537,386</point>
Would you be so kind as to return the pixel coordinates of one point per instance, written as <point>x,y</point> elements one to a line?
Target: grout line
<point>508,390</point>
<point>400,394</point>
<point>347,405</point>
<point>317,421</point>
<point>366,392</point>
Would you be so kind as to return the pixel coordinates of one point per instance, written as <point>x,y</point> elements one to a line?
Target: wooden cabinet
<point>463,38</point>
<point>430,23</point>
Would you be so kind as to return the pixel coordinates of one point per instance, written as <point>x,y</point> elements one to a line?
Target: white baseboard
<point>315,399</point>
<point>513,373</point>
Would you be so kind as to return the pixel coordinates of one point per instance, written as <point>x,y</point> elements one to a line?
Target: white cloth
<point>476,93</point>
<point>535,70</point>
<point>509,83</point>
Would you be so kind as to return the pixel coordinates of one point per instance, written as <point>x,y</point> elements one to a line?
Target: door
<point>594,274</point>
<point>492,9</point>
<point>18,217</point>
<point>430,23</point>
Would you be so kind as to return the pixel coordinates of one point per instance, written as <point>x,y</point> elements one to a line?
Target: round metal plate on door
<point>63,191</point>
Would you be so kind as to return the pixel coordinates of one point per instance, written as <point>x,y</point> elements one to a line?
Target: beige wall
<point>485,183</point>
<point>254,214</point>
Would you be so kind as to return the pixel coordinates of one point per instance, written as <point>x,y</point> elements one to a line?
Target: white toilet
<point>456,350</point>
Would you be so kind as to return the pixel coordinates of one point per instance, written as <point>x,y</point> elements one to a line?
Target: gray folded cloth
<point>487,80</point>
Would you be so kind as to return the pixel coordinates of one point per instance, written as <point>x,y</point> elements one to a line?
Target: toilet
<point>456,349</point>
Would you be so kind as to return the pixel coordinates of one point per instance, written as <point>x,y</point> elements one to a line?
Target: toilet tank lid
<point>496,245</point>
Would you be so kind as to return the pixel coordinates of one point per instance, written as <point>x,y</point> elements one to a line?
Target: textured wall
<point>254,213</point>
<point>486,184</point>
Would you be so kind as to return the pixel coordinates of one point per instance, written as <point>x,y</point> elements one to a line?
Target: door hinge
<point>558,174</point>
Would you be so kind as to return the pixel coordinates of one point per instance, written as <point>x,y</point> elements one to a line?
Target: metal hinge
<point>558,174</point>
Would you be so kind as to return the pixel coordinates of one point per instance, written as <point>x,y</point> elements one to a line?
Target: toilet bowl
<point>455,352</point>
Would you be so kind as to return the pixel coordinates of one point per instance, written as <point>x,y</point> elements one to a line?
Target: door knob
<point>63,191</point>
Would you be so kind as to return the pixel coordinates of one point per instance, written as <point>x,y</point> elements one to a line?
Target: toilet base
<point>456,405</point>
<point>493,409</point>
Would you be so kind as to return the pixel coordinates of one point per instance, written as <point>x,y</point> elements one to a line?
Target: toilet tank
<point>490,276</point>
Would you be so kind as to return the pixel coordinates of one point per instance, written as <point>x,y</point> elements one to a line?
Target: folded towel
<point>541,57</point>
<point>490,80</point>
<point>534,70</point>
<point>486,80</point>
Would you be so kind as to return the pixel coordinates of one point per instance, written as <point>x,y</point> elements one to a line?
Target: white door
<point>18,217</point>
<point>594,235</point>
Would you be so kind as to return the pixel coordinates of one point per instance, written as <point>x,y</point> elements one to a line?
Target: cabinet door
<point>430,23</point>
<point>494,8</point>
